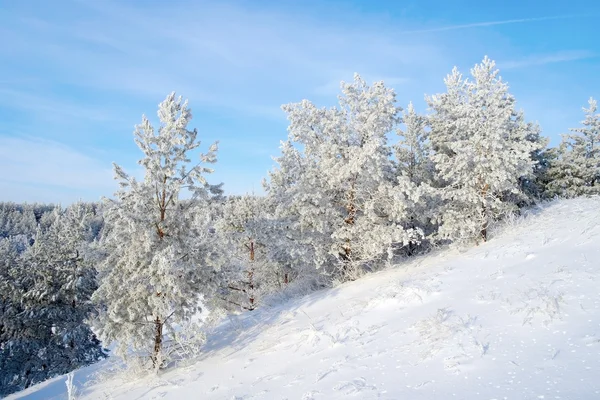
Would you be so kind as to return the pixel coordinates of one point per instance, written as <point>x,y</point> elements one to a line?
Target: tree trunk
<point>350,217</point>
<point>158,324</point>
<point>251,297</point>
<point>251,277</point>
<point>483,232</point>
<point>484,212</point>
<point>27,379</point>
<point>162,203</point>
<point>411,246</point>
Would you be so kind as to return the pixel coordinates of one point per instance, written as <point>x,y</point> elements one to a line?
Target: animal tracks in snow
<point>405,292</point>
<point>354,387</point>
<point>460,338</point>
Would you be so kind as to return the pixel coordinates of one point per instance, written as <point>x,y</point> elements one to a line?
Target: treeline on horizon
<point>341,202</point>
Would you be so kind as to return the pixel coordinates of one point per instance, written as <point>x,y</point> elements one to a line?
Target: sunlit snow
<point>515,318</point>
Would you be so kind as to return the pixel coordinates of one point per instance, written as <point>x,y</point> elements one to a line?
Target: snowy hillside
<point>515,318</point>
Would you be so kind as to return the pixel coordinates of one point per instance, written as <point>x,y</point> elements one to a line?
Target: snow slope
<point>515,318</point>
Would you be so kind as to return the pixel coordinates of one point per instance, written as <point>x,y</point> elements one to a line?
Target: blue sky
<point>76,75</point>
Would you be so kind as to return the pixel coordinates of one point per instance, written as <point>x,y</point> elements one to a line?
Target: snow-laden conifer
<point>250,273</point>
<point>480,148</point>
<point>534,185</point>
<point>415,197</point>
<point>334,181</point>
<point>66,280</point>
<point>413,149</point>
<point>157,247</point>
<point>576,171</point>
<point>17,219</point>
<point>49,285</point>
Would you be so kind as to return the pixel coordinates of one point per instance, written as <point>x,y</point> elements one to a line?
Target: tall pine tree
<point>246,231</point>
<point>158,252</point>
<point>335,181</point>
<point>415,176</point>
<point>480,148</point>
<point>42,327</point>
<point>576,170</point>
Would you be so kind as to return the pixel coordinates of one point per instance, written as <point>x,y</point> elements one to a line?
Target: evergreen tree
<point>576,169</point>
<point>49,284</point>
<point>481,151</point>
<point>534,186</point>
<point>245,231</point>
<point>334,183</point>
<point>415,176</point>
<point>12,375</point>
<point>413,149</point>
<point>17,219</point>
<point>157,246</point>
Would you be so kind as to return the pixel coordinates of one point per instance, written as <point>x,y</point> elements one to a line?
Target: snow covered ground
<point>515,318</point>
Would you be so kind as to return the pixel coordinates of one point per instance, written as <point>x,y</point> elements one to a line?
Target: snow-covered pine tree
<point>12,376</point>
<point>64,281</point>
<point>244,229</point>
<point>335,179</point>
<point>576,170</point>
<point>480,148</point>
<point>157,245</point>
<point>291,245</point>
<point>533,186</point>
<point>564,177</point>
<point>51,283</point>
<point>17,219</point>
<point>415,175</point>
<point>413,150</point>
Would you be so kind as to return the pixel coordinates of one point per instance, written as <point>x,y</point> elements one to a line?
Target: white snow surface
<point>515,318</point>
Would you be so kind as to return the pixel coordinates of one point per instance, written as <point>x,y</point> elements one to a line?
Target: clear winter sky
<point>77,75</point>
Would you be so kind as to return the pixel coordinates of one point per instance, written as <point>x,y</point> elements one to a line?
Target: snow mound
<point>515,318</point>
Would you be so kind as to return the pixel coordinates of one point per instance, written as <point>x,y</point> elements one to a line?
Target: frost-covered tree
<point>12,374</point>
<point>333,185</point>
<point>17,219</point>
<point>157,245</point>
<point>291,242</point>
<point>245,229</point>
<point>534,186</point>
<point>480,148</point>
<point>576,170</point>
<point>413,149</point>
<point>63,256</point>
<point>43,331</point>
<point>415,175</point>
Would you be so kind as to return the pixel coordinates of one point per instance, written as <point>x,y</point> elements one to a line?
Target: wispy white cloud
<point>214,50</point>
<point>543,59</point>
<point>490,23</point>
<point>50,107</point>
